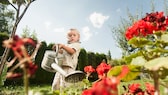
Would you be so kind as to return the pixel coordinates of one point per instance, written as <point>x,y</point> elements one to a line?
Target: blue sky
<point>51,19</point>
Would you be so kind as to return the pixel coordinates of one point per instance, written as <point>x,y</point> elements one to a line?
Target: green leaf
<point>164,37</point>
<point>157,63</point>
<point>162,73</point>
<point>114,71</point>
<point>138,42</point>
<point>158,33</point>
<point>129,58</point>
<point>19,2</point>
<point>140,61</point>
<point>159,50</point>
<point>3,76</point>
<point>6,2</point>
<point>134,71</point>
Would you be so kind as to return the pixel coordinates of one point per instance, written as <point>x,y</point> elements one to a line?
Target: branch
<point>12,5</point>
<point>18,18</point>
<point>24,11</point>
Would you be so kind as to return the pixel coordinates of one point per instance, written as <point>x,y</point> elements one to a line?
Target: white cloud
<point>97,19</point>
<point>86,33</point>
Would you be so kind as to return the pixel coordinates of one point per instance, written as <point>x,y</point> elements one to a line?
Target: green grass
<point>11,90</point>
<point>19,90</point>
<point>43,89</point>
<point>46,89</point>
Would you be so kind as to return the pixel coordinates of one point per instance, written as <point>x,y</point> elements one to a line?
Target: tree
<point>17,5</point>
<point>82,59</point>
<point>42,76</point>
<point>92,59</point>
<point>6,18</point>
<point>165,7</point>
<point>28,34</point>
<point>119,33</point>
<point>3,36</point>
<point>109,56</point>
<point>98,59</point>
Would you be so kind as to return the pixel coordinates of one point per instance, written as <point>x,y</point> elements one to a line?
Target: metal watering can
<point>51,62</point>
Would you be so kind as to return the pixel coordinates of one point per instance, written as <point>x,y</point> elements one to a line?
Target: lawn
<point>19,90</point>
<point>46,89</point>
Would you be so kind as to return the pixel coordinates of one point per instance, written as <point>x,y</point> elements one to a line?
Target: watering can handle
<point>57,49</point>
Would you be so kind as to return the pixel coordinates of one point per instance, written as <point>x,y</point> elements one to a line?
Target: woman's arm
<point>68,49</point>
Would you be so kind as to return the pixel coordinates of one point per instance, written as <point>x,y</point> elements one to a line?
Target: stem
<point>25,80</point>
<point>3,59</point>
<point>156,82</point>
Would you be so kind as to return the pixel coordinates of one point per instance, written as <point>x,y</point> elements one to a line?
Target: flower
<point>107,86</point>
<point>150,88</point>
<point>17,45</point>
<point>134,88</point>
<point>102,69</point>
<point>89,69</point>
<point>148,25</point>
<point>31,69</point>
<point>124,72</point>
<point>25,61</point>
<point>11,75</point>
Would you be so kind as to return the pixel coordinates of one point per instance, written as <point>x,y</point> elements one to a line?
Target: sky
<point>51,19</point>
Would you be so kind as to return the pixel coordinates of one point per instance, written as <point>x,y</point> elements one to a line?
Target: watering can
<point>51,62</point>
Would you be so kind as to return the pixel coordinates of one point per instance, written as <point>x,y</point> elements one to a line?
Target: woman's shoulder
<point>74,45</point>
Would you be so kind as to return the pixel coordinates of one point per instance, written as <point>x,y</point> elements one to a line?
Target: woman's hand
<point>54,47</point>
<point>61,46</point>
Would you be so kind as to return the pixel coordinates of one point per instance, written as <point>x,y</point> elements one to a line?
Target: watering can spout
<point>58,69</point>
